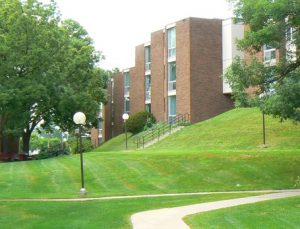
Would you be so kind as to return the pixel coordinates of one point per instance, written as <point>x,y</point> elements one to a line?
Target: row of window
<point>171,35</point>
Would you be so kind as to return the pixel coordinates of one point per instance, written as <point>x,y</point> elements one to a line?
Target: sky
<point>117,26</point>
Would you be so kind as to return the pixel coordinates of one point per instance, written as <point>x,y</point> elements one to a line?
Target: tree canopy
<point>48,69</point>
<point>271,23</point>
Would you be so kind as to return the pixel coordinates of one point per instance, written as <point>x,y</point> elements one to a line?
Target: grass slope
<point>223,153</point>
<point>238,129</point>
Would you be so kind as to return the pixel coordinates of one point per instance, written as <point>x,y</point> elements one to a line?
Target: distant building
<point>178,72</point>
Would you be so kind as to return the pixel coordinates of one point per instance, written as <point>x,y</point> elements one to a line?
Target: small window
<point>126,83</point>
<point>147,58</point>
<point>269,54</point>
<point>148,87</point>
<point>172,105</point>
<point>126,105</point>
<point>172,42</point>
<point>148,107</point>
<point>172,76</point>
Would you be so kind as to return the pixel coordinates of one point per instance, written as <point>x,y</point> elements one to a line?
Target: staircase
<point>161,130</point>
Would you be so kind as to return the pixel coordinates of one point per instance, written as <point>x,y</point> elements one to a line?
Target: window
<point>269,55</point>
<point>172,42</point>
<point>172,107</point>
<point>126,83</point>
<point>172,76</point>
<point>112,90</point>
<point>148,107</point>
<point>289,34</point>
<point>147,58</point>
<point>126,105</point>
<point>148,87</point>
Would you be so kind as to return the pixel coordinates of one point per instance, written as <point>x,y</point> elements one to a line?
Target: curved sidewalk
<point>172,217</point>
<point>137,196</point>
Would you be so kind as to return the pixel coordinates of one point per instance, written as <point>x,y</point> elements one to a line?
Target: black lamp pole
<point>81,157</point>
<point>264,128</point>
<point>126,133</point>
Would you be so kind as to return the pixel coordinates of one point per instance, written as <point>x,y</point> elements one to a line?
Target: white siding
<point>230,32</point>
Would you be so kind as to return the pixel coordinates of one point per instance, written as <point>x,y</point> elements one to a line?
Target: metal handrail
<point>159,129</point>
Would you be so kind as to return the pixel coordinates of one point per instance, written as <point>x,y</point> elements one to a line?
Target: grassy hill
<point>223,153</point>
<point>238,129</point>
<point>235,130</point>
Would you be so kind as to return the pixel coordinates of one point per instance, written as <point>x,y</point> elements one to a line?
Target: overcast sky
<point>117,26</point>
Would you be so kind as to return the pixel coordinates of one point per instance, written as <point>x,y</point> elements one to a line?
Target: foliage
<point>47,69</point>
<point>39,143</point>
<point>86,145</point>
<point>276,88</point>
<point>54,151</point>
<point>137,122</point>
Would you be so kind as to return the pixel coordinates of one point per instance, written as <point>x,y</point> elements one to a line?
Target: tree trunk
<point>26,142</point>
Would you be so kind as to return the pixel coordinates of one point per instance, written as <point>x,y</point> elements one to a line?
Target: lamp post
<point>79,119</point>
<point>262,96</point>
<point>125,116</point>
<point>264,128</point>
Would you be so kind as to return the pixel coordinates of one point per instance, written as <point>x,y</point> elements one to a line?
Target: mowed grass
<point>284,213</point>
<point>223,153</point>
<point>129,174</point>
<point>220,154</point>
<point>104,214</point>
<point>235,130</point>
<point>118,144</point>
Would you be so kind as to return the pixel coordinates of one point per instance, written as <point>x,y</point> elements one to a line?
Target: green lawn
<point>238,129</point>
<point>183,162</point>
<point>284,213</point>
<point>110,174</point>
<point>104,214</point>
<point>223,153</point>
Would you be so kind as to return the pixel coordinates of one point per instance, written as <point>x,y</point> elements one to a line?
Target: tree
<point>274,23</point>
<point>47,69</point>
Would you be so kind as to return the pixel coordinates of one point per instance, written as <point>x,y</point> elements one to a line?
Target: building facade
<point>178,72</point>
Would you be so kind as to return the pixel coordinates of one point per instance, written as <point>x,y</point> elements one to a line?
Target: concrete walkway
<point>168,218</point>
<point>137,196</point>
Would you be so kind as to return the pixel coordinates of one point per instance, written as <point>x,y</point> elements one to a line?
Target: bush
<point>54,151</point>
<point>139,121</point>
<point>86,145</point>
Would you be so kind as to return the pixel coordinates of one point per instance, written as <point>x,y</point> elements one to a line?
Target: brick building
<point>179,71</point>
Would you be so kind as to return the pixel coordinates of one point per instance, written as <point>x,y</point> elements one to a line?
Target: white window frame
<point>171,83</point>
<point>126,86</point>
<point>171,34</point>
<point>147,90</point>
<point>147,60</point>
<point>126,108</point>
<point>269,52</point>
<point>171,116</point>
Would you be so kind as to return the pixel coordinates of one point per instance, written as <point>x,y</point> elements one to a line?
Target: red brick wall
<point>107,115</point>
<point>137,87</point>
<point>158,85</point>
<point>183,67</point>
<point>207,98</point>
<point>118,104</point>
<point>112,114</point>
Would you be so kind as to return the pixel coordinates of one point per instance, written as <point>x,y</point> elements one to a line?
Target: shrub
<point>139,121</point>
<point>86,145</point>
<point>54,151</point>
